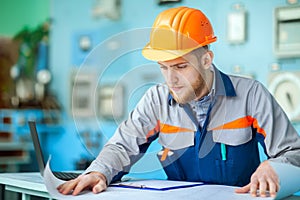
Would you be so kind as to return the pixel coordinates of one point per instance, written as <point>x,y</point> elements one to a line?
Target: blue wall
<point>72,19</point>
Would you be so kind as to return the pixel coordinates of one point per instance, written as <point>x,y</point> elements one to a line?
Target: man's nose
<point>172,76</point>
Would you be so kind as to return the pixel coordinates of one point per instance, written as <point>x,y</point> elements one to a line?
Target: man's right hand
<point>94,181</point>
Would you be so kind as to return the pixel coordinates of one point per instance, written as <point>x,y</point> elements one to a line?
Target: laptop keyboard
<point>66,176</point>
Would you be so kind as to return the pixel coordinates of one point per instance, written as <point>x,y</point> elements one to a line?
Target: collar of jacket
<point>224,86</point>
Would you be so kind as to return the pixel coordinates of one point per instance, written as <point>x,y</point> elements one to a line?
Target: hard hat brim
<point>164,55</point>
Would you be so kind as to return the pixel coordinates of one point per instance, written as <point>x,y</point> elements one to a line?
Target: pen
<point>133,186</point>
<point>223,151</point>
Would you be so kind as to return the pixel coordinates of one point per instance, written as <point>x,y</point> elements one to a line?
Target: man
<point>208,123</point>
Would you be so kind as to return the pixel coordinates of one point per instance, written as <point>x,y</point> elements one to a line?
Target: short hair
<point>200,51</point>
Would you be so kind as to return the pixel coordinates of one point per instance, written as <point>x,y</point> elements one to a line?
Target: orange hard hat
<point>176,32</point>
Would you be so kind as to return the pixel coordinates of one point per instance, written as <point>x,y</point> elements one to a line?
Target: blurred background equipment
<point>287,28</point>
<point>24,75</point>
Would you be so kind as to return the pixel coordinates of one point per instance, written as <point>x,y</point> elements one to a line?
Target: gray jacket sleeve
<point>281,139</point>
<point>123,149</point>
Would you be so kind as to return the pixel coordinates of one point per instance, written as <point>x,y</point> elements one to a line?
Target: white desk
<point>27,184</point>
<point>31,184</point>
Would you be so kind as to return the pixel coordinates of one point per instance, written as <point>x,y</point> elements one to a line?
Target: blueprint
<point>288,175</point>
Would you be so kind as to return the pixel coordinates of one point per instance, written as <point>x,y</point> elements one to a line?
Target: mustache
<point>174,85</point>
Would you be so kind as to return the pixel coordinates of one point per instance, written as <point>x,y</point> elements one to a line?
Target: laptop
<point>40,158</point>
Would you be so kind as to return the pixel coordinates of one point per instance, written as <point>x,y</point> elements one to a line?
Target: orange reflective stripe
<point>166,129</point>
<point>243,122</point>
<point>169,129</point>
<point>258,128</point>
<point>165,154</point>
<point>239,123</point>
<point>154,131</point>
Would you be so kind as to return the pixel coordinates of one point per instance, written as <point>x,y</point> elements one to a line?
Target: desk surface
<point>25,183</point>
<point>33,184</point>
<point>31,180</point>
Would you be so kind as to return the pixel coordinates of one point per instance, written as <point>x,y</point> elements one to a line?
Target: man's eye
<point>181,66</point>
<point>163,67</point>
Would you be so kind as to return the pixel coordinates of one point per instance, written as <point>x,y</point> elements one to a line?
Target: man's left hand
<point>262,180</point>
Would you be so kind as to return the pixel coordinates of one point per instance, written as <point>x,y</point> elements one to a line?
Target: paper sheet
<point>289,177</point>
<point>207,192</point>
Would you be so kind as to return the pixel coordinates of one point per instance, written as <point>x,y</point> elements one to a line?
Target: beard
<point>191,91</point>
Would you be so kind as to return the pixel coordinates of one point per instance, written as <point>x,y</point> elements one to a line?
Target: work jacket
<point>222,151</point>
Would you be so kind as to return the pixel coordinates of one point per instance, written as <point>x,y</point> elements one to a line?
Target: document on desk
<point>289,179</point>
<point>163,189</point>
<point>156,185</point>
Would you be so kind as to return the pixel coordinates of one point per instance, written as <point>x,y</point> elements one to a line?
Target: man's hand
<point>95,181</point>
<point>262,180</point>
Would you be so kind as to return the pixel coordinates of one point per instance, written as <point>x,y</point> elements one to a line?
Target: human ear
<point>206,59</point>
